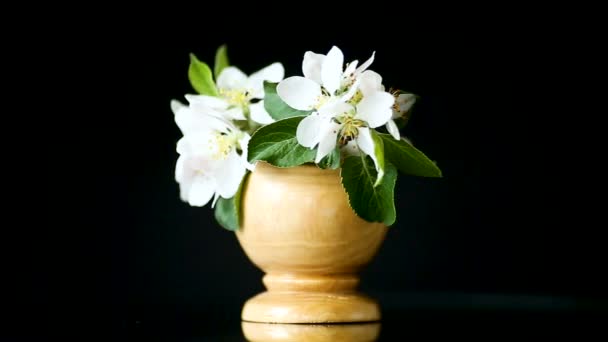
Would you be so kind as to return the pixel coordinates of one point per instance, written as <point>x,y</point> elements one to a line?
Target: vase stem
<point>311,283</point>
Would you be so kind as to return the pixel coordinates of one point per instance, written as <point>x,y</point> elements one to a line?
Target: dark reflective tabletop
<point>404,318</point>
<point>395,327</point>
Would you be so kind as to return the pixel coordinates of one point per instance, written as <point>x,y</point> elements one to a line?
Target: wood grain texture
<point>298,228</point>
<point>264,332</point>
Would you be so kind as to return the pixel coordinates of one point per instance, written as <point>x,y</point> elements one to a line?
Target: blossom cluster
<point>332,116</point>
<point>216,130</point>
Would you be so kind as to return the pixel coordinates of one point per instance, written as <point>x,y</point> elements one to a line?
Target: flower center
<point>346,82</point>
<point>321,100</point>
<point>350,127</point>
<point>236,97</point>
<point>222,144</point>
<point>356,98</point>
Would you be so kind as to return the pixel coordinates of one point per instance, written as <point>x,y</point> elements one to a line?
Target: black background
<point>124,247</point>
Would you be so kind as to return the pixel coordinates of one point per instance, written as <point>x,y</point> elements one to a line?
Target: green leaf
<point>408,159</point>
<point>332,160</point>
<point>276,144</point>
<point>225,213</point>
<point>228,210</point>
<point>373,204</point>
<point>379,154</point>
<point>200,77</point>
<point>221,60</point>
<point>276,107</point>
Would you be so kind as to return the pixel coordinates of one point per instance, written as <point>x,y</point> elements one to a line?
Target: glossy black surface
<point>396,325</point>
<point>406,316</point>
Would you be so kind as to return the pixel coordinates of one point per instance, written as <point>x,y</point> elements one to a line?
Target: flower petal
<point>392,128</point>
<point>198,148</point>
<point>329,135</point>
<point>201,161</point>
<point>184,190</point>
<point>201,190</point>
<point>177,107</point>
<point>371,82</point>
<point>367,146</point>
<point>351,91</point>
<point>214,106</point>
<point>365,65</point>
<point>180,170</point>
<point>351,68</point>
<point>404,103</point>
<point>272,73</point>
<point>182,147</point>
<point>212,102</point>
<point>232,78</point>
<point>335,108</point>
<point>307,132</point>
<point>365,142</point>
<point>244,144</point>
<point>311,66</point>
<point>186,121</point>
<point>183,116</point>
<point>222,123</point>
<point>299,92</point>
<point>229,175</point>
<point>216,197</point>
<point>201,119</point>
<point>234,113</point>
<point>259,113</point>
<point>376,108</point>
<point>351,149</point>
<point>331,70</point>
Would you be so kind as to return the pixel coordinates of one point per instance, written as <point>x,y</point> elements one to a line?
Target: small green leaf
<point>225,213</point>
<point>228,210</point>
<point>276,144</point>
<point>379,154</point>
<point>332,160</point>
<point>221,60</point>
<point>200,77</point>
<point>276,107</point>
<point>373,204</point>
<point>408,159</point>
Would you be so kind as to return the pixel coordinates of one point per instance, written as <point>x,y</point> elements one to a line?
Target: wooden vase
<point>298,227</point>
<point>265,332</point>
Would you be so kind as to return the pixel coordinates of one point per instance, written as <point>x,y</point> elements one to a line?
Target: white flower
<point>213,154</point>
<point>346,103</point>
<point>325,81</point>
<point>236,91</point>
<point>371,82</point>
<point>403,103</point>
<point>327,70</point>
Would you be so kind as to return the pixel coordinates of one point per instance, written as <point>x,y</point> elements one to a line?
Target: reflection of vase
<point>297,227</point>
<point>264,332</point>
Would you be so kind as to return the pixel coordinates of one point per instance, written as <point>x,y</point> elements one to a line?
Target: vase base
<point>310,307</point>
<point>258,332</point>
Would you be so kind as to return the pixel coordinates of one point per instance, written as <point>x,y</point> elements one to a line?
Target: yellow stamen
<point>236,97</point>
<point>222,145</point>
<point>350,127</point>
<point>356,98</point>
